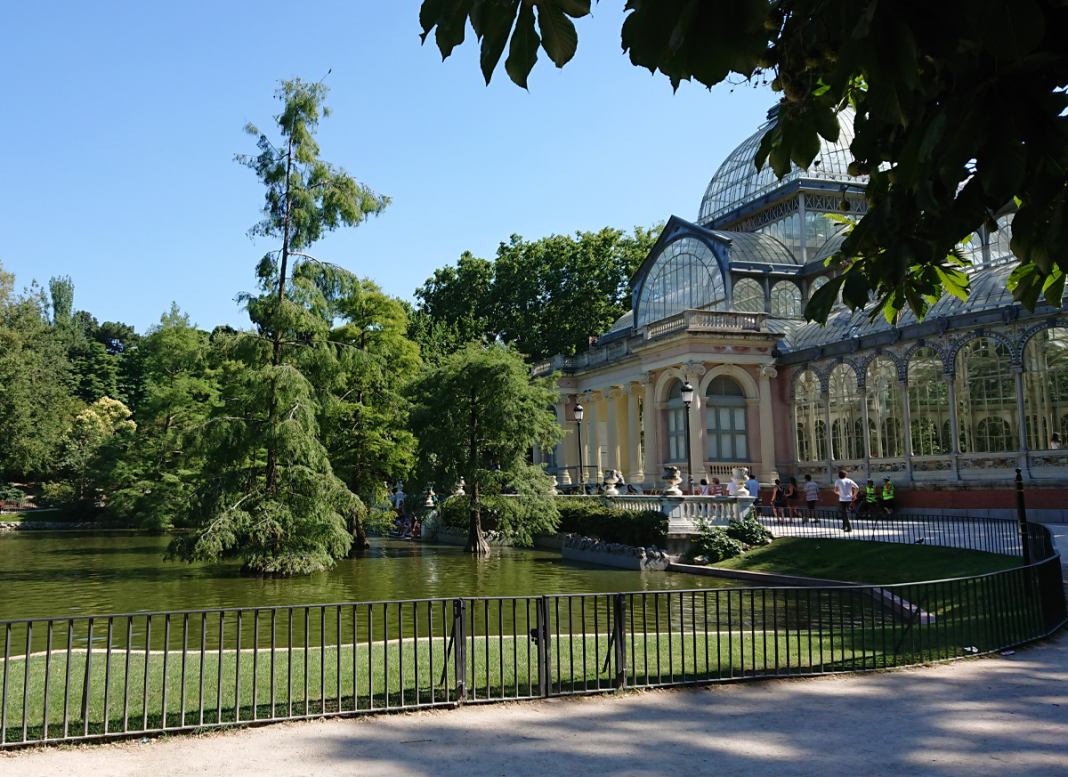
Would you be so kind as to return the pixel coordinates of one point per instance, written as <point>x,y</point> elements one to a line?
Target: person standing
<point>778,501</point>
<point>793,493</point>
<point>888,496</point>
<point>753,487</point>
<point>871,501</point>
<point>716,488</point>
<point>703,489</point>
<point>846,490</point>
<point>812,495</point>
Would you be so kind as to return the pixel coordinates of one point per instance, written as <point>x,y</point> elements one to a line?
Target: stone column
<point>653,464</point>
<point>636,473</point>
<point>595,414</point>
<point>566,449</point>
<point>768,473</point>
<point>612,427</point>
<point>593,437</point>
<point>621,420</point>
<point>698,446</point>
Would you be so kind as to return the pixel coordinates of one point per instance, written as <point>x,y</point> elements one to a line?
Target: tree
<point>551,295</point>
<point>89,431</point>
<point>364,414</point>
<point>150,476</point>
<point>960,109</point>
<point>460,296</point>
<point>62,292</point>
<point>476,416</point>
<point>269,494</point>
<point>546,296</point>
<point>35,401</point>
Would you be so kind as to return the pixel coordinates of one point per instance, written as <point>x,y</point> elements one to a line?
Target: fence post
<point>459,630</point>
<point>619,636</point>
<point>1021,515</point>
<point>544,653</point>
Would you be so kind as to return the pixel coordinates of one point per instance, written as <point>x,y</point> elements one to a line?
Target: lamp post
<point>579,413</point>
<point>687,398</point>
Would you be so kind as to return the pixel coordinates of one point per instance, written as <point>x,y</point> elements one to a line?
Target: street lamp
<point>579,413</point>
<point>687,398</point>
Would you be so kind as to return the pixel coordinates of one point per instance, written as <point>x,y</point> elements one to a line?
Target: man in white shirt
<point>846,490</point>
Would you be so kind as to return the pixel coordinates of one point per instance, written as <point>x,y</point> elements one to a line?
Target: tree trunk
<point>360,543</point>
<point>476,539</point>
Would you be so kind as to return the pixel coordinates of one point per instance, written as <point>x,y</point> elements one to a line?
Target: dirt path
<point>993,716</point>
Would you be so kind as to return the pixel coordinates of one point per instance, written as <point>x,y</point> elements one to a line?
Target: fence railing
<point>991,535</point>
<point>87,677</point>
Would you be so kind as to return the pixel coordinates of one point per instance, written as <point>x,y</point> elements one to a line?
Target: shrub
<point>593,518</point>
<point>56,494</point>
<point>717,545</point>
<point>749,532</point>
<point>9,493</point>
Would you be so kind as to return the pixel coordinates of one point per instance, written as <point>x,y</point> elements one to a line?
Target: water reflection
<point>50,574</point>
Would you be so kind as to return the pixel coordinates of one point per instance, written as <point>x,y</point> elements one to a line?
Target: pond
<point>63,574</point>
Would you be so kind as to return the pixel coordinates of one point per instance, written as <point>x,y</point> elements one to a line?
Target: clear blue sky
<point>123,119</point>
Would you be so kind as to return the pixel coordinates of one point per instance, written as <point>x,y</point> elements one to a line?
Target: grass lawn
<point>876,563</point>
<point>364,683</point>
<point>12,517</point>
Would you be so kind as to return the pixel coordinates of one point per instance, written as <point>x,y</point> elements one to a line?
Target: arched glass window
<point>883,396</point>
<point>810,428</point>
<point>686,276</point>
<point>847,423</point>
<point>785,299</point>
<point>676,424</point>
<point>748,296</point>
<point>1045,381</point>
<point>725,421</point>
<point>928,395</point>
<point>817,284</point>
<point>986,392</point>
<point>999,241</point>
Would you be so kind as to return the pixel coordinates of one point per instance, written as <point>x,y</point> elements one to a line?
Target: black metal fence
<point>111,676</point>
<point>991,535</point>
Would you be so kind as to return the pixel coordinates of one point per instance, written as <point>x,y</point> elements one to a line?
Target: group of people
<point>869,503</point>
<point>407,527</point>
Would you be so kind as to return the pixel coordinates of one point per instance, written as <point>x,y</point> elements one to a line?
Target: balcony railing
<point>686,321</point>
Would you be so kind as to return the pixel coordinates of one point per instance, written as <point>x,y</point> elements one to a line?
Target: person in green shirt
<point>870,501</point>
<point>888,495</point>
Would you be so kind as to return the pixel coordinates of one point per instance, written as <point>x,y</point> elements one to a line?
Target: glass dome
<point>738,182</point>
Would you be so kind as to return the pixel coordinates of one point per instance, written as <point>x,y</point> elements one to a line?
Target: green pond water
<point>70,574</point>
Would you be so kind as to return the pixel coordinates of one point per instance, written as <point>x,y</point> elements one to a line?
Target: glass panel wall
<point>847,423</point>
<point>886,426</point>
<point>685,276</point>
<point>928,395</point>
<point>818,230</point>
<point>787,231</point>
<point>785,299</point>
<point>810,427</point>
<point>1045,381</point>
<point>748,296</point>
<point>986,398</point>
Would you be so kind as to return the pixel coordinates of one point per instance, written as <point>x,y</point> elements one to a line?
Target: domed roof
<point>738,182</point>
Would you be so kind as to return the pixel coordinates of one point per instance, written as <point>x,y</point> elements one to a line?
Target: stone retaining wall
<point>578,548</point>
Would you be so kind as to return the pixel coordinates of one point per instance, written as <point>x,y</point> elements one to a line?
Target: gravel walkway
<point>991,716</point>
